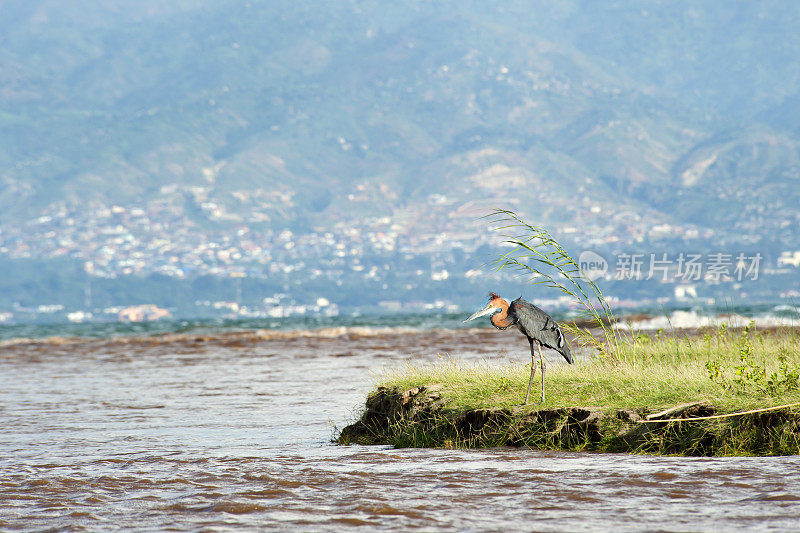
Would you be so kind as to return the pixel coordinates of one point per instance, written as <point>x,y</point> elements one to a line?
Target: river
<point>232,429</point>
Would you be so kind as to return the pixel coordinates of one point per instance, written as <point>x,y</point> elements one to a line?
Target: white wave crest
<point>693,320</point>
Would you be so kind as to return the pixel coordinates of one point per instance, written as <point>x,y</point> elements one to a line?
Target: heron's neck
<point>501,319</point>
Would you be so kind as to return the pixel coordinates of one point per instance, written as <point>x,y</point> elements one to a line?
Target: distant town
<point>190,232</point>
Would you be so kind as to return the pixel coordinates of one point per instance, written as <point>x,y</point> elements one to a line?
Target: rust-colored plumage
<point>500,320</point>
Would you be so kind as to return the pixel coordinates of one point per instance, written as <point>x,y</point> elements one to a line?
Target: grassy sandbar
<point>725,371</point>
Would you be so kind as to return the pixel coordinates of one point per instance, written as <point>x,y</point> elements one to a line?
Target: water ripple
<point>213,431</point>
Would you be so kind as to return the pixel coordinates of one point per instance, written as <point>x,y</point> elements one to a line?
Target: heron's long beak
<point>485,311</point>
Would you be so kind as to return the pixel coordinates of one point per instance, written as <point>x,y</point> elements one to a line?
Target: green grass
<point>732,370</point>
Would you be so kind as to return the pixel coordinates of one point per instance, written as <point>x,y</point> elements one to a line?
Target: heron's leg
<point>533,371</point>
<point>541,362</point>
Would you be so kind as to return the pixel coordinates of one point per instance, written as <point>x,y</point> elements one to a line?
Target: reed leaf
<point>537,253</point>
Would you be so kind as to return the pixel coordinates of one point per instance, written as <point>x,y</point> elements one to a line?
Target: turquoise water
<point>431,320</point>
<point>211,325</point>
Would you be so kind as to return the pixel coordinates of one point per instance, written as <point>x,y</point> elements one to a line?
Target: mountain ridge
<point>118,102</point>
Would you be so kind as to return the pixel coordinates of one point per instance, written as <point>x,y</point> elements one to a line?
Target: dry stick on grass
<point>711,417</point>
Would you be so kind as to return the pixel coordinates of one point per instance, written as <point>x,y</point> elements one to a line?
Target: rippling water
<point>212,430</point>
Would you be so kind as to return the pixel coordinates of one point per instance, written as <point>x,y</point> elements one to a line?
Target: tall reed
<point>537,254</point>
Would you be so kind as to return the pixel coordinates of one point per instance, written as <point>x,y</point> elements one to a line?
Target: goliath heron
<point>538,326</point>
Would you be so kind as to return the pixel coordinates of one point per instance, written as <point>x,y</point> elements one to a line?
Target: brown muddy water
<point>233,430</point>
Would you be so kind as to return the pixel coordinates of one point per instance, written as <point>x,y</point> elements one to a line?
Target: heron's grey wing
<point>536,323</point>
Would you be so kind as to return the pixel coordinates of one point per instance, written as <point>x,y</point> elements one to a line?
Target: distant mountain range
<point>689,111</point>
<point>599,120</point>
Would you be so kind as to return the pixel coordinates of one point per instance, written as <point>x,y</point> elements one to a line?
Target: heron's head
<point>495,305</point>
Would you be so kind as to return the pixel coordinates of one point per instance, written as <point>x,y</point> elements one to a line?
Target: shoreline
<point>143,335</point>
<point>420,417</point>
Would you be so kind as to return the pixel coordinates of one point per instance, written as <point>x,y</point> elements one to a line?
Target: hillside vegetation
<point>682,112</point>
